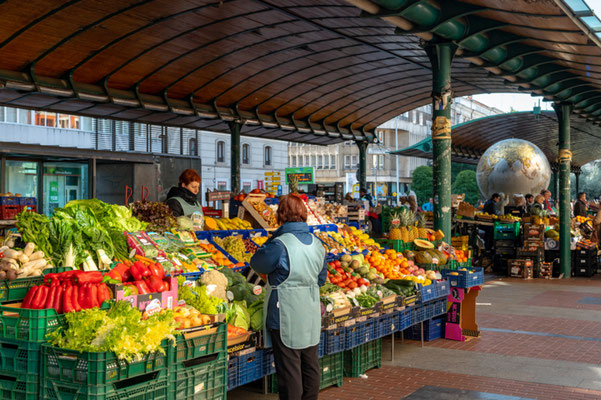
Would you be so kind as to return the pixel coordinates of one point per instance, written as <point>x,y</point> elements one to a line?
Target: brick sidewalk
<point>397,382</point>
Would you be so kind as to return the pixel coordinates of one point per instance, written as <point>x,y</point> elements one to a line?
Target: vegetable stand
<point>178,314</point>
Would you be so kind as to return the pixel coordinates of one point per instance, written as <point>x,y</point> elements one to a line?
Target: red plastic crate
<point>32,208</point>
<point>9,212</point>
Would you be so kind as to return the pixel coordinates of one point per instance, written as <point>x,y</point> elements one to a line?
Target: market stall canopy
<point>471,139</point>
<point>296,70</point>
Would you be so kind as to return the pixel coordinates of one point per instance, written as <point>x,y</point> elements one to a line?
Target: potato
<point>11,275</point>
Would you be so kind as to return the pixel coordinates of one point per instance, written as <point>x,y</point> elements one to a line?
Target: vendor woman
<point>294,262</point>
<point>183,199</point>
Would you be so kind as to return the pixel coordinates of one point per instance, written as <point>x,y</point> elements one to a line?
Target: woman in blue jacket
<point>294,261</point>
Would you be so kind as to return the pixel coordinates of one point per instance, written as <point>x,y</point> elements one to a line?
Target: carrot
<point>143,259</point>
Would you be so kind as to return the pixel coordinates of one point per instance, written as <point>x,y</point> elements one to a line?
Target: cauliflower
<point>214,277</point>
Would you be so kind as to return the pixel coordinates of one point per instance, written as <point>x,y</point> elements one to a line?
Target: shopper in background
<point>490,208</point>
<point>580,206</point>
<point>529,201</point>
<point>294,261</point>
<point>183,199</point>
<point>547,195</point>
<point>429,206</point>
<point>365,196</point>
<point>490,205</point>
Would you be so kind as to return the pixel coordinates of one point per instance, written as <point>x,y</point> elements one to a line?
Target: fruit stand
<point>178,313</point>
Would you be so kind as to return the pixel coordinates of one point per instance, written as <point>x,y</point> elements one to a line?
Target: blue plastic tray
<point>433,329</point>
<point>335,340</point>
<point>464,279</point>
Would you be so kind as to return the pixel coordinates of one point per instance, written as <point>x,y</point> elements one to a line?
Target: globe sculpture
<point>513,166</point>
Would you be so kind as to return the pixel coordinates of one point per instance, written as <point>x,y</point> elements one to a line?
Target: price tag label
<point>329,308</point>
<point>257,290</point>
<point>380,294</point>
<point>153,307</point>
<point>396,221</point>
<point>266,213</point>
<point>189,283</point>
<point>229,295</point>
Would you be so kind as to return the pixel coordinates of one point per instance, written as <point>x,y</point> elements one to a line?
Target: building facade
<point>386,173</point>
<point>57,158</point>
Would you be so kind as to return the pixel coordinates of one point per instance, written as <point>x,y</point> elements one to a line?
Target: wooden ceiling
<point>471,139</point>
<point>308,71</point>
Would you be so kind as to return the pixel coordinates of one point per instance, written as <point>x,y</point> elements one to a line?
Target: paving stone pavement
<point>540,339</point>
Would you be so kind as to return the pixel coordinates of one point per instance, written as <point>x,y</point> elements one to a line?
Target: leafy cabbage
<point>238,315</point>
<point>120,330</point>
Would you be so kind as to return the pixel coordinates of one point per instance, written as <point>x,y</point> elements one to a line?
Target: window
<point>348,143</point>
<point>347,162</point>
<point>414,116</point>
<point>267,155</point>
<point>326,162</point>
<point>193,149</point>
<point>421,118</point>
<point>307,161</point>
<point>405,116</point>
<point>11,114</point>
<point>319,162</point>
<point>381,161</point>
<point>221,151</point>
<point>246,153</point>
<point>332,162</point>
<point>293,161</point>
<point>313,161</point>
<point>355,163</point>
<point>24,117</point>
<point>380,135</point>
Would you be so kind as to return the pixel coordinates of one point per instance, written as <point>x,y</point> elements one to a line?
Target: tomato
<point>337,263</point>
<point>353,285</point>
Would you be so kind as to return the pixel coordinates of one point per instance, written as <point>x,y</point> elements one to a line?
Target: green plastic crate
<point>203,378</point>
<point>19,386</point>
<point>332,368</point>
<point>90,368</point>
<point>214,341</point>
<point>151,386</point>
<point>11,291</point>
<point>27,324</point>
<point>363,358</point>
<point>20,356</point>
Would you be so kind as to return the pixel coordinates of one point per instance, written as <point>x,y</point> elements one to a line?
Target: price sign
<point>305,175</point>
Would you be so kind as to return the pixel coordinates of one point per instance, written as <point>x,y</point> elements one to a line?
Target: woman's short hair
<point>539,198</point>
<point>291,209</point>
<point>188,176</point>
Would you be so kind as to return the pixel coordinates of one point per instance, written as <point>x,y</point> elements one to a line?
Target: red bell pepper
<point>49,278</point>
<point>29,297</point>
<point>167,283</point>
<point>82,296</point>
<point>75,298</point>
<point>142,287</point>
<point>67,300</point>
<point>143,268</point>
<point>103,293</point>
<point>92,296</point>
<point>89,276</point>
<point>39,300</point>
<point>157,269</point>
<point>51,296</point>
<point>58,300</point>
<point>136,272</point>
<point>119,272</point>
<point>155,284</point>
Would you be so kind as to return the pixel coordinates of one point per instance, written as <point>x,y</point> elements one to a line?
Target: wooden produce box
<point>520,268</point>
<point>546,270</point>
<point>259,220</point>
<point>466,210</point>
<point>534,232</point>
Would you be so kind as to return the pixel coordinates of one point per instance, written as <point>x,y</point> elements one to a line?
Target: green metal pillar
<point>563,111</point>
<point>441,58</point>
<point>362,165</point>
<point>235,128</point>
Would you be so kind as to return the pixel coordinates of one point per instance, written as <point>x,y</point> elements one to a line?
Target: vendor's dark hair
<point>580,194</point>
<point>529,196</point>
<point>188,176</point>
<point>495,195</point>
<point>291,209</point>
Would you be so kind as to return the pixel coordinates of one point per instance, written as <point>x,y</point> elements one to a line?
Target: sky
<point>517,101</point>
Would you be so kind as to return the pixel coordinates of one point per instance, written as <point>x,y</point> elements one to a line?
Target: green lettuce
<point>238,315</point>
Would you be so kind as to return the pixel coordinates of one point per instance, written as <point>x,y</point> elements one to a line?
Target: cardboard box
<point>466,210</point>
<point>149,301</point>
